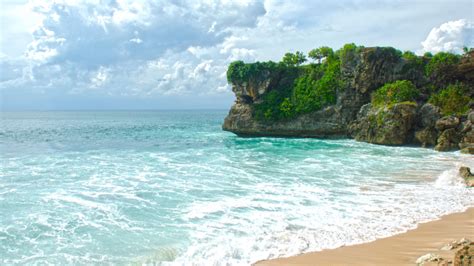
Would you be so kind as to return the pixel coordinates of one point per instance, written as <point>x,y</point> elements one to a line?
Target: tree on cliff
<point>295,59</point>
<point>320,53</point>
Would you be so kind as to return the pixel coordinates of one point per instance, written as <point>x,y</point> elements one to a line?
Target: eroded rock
<point>389,125</point>
<point>447,122</point>
<point>448,140</point>
<point>465,173</point>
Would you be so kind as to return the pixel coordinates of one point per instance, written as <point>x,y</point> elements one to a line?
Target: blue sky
<point>119,54</point>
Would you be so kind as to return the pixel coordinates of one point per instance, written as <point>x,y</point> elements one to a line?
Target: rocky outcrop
<point>362,74</point>
<point>392,125</point>
<point>465,173</point>
<point>467,142</point>
<point>362,71</point>
<point>454,133</point>
<point>321,124</point>
<point>450,135</point>
<point>426,133</point>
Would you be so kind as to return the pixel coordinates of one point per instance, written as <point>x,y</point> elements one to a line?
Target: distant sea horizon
<point>171,187</point>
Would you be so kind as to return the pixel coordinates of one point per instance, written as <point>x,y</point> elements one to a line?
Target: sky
<point>120,54</point>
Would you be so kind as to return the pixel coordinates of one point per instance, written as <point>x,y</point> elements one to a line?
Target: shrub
<point>441,68</point>
<point>292,60</point>
<point>414,63</point>
<point>320,53</point>
<point>396,92</point>
<point>453,100</point>
<point>315,87</point>
<point>238,71</point>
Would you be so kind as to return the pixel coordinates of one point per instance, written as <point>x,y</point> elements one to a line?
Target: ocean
<point>172,188</point>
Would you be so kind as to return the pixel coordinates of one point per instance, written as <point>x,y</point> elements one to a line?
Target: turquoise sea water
<point>171,187</point>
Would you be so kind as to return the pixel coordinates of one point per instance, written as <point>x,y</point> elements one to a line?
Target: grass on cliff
<point>396,92</point>
<point>453,100</point>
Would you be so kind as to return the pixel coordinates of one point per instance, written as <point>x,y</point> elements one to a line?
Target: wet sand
<point>402,249</point>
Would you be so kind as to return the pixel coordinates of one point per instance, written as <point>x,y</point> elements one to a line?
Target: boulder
<point>465,254</point>
<point>448,140</point>
<point>321,124</point>
<point>426,137</point>
<point>447,122</point>
<point>430,257</point>
<point>428,115</point>
<point>465,173</point>
<point>426,133</point>
<point>467,141</point>
<point>390,125</point>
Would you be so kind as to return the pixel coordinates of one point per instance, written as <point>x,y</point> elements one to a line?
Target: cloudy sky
<point>119,54</point>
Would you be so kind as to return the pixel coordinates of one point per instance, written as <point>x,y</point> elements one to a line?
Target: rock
<point>426,137</point>
<point>364,71</point>
<point>467,176</point>
<point>467,141</point>
<point>470,116</point>
<point>456,243</point>
<point>428,115</point>
<point>448,140</point>
<point>465,173</point>
<point>447,122</point>
<point>324,123</point>
<point>389,125</point>
<point>430,257</point>
<point>465,254</point>
<point>426,133</point>
<point>467,150</point>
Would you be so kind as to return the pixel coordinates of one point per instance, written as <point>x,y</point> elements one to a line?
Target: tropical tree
<point>296,59</point>
<point>320,53</point>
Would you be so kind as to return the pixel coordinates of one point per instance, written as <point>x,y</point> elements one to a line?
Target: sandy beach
<point>402,249</point>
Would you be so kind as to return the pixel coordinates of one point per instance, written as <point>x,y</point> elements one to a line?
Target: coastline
<point>401,249</point>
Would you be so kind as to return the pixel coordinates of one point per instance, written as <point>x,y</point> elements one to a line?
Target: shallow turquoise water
<point>172,187</point>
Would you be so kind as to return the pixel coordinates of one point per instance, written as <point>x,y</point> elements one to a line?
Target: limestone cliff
<point>352,115</point>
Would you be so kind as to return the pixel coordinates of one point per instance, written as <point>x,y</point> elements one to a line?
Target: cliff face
<point>352,115</point>
<point>363,73</point>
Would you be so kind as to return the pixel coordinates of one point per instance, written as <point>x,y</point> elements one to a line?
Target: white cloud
<point>136,40</point>
<point>451,36</point>
<point>166,47</point>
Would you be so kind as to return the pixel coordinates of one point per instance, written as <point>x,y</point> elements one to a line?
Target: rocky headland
<point>377,95</point>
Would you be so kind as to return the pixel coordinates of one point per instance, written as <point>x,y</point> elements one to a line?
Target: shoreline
<point>400,249</point>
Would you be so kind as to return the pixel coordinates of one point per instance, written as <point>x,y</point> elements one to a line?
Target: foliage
<point>453,100</point>
<point>396,92</point>
<point>409,55</point>
<point>428,55</point>
<point>269,108</point>
<point>239,72</point>
<point>315,88</point>
<point>320,53</point>
<point>441,61</point>
<point>441,68</point>
<point>348,52</point>
<point>292,60</point>
<point>413,63</point>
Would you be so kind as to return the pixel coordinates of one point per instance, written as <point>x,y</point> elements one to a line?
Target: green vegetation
<point>292,60</point>
<point>315,87</point>
<point>348,52</point>
<point>320,53</point>
<point>440,68</point>
<point>396,92</point>
<point>302,88</point>
<point>239,72</point>
<point>453,100</point>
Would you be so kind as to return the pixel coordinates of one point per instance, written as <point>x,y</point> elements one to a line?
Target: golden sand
<point>402,249</point>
